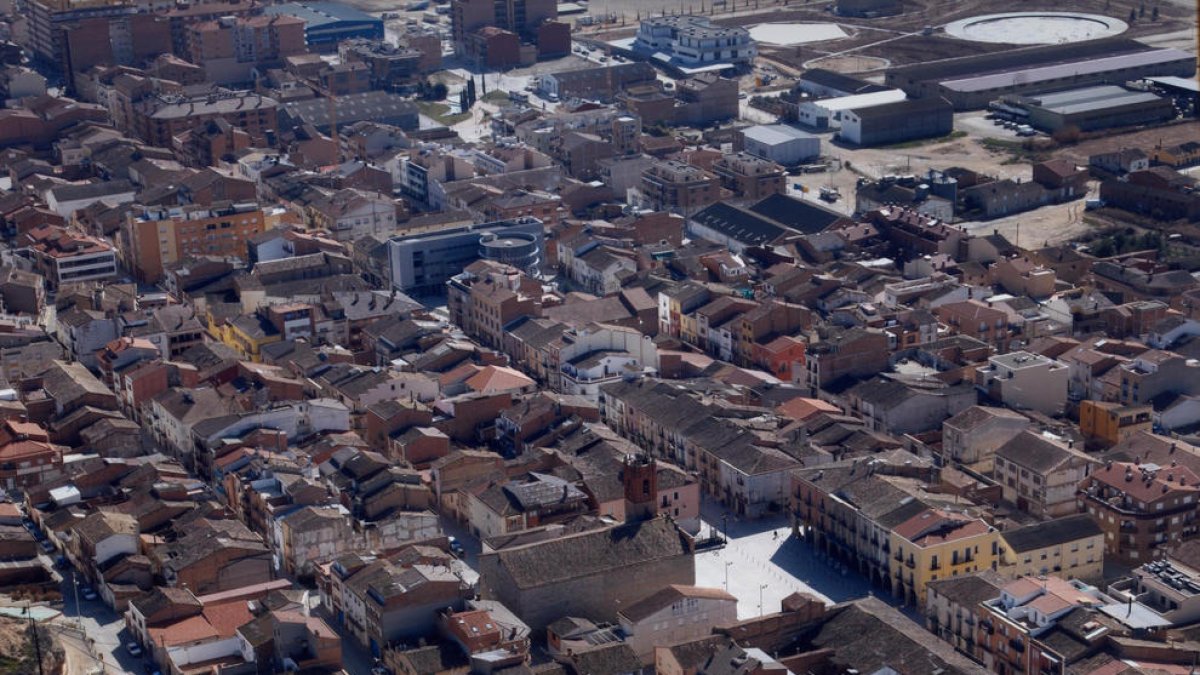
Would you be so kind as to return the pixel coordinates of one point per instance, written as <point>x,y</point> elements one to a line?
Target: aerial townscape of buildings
<point>515,337</point>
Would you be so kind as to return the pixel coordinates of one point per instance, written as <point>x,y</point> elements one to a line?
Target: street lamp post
<point>78,607</point>
<point>761,587</point>
<point>727,564</point>
<point>725,521</point>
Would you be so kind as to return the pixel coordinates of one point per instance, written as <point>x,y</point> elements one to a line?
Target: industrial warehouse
<point>1088,109</point>
<point>973,82</point>
<point>897,122</point>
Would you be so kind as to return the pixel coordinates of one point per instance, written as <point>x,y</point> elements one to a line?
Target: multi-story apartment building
<point>158,236</point>
<point>1155,372</point>
<point>1107,424</point>
<point>231,48</point>
<point>1141,507</point>
<point>935,544</point>
<point>859,352</point>
<point>671,185</point>
<point>351,214</point>
<point>1040,474</point>
<point>63,256</point>
<point>952,608</point>
<point>1025,381</point>
<point>849,513</point>
<point>695,40</point>
<point>45,34</point>
<point>1071,546</point>
<point>1011,627</point>
<point>749,177</point>
<point>979,320</point>
<point>515,16</point>
<point>487,296</point>
<point>159,120</point>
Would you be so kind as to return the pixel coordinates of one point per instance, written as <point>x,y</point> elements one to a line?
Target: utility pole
<point>78,607</point>
<point>37,643</point>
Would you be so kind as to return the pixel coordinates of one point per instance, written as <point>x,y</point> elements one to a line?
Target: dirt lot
<point>1051,224</point>
<point>868,38</point>
<point>17,653</point>
<point>1145,139</point>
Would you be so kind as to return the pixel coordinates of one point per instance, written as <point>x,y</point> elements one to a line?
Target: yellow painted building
<point>1108,423</point>
<point>1071,547</point>
<point>247,334</point>
<point>1184,154</point>
<point>936,544</point>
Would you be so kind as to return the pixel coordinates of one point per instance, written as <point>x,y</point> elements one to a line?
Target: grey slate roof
<point>1051,532</point>
<point>595,552</point>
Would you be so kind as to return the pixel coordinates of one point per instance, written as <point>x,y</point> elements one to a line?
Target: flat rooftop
<point>1092,98</point>
<point>1059,71</point>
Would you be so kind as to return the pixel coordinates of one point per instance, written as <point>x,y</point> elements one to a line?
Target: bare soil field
<point>1144,139</point>
<point>872,37</point>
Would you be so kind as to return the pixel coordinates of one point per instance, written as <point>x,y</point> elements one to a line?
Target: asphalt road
<point>103,632</point>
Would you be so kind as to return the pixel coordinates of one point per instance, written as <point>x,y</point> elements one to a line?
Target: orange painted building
<point>160,236</point>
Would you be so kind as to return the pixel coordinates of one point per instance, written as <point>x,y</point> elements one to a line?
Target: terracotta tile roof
<point>191,629</point>
<point>801,409</point>
<point>227,617</point>
<point>494,379</point>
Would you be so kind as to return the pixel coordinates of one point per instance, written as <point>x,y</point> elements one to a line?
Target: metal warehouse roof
<point>317,14</point>
<point>1024,76</point>
<point>1185,83</point>
<point>861,100</point>
<point>1028,57</point>
<point>1091,98</point>
<point>775,133</point>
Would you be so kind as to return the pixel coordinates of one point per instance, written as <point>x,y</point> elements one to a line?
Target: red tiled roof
<point>227,617</point>
<point>497,378</point>
<point>191,629</point>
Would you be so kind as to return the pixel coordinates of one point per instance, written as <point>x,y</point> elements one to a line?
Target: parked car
<point>134,649</point>
<point>455,547</point>
<point>88,593</point>
<point>47,546</point>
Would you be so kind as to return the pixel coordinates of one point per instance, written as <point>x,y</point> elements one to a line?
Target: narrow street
<point>94,636</point>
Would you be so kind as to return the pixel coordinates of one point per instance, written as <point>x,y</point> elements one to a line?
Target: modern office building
<point>694,41</point>
<point>423,263</point>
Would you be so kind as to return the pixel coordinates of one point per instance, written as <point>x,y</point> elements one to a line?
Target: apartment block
<point>158,236</point>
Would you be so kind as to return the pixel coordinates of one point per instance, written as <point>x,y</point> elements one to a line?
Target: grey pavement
<point>103,630</point>
<point>762,562</point>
